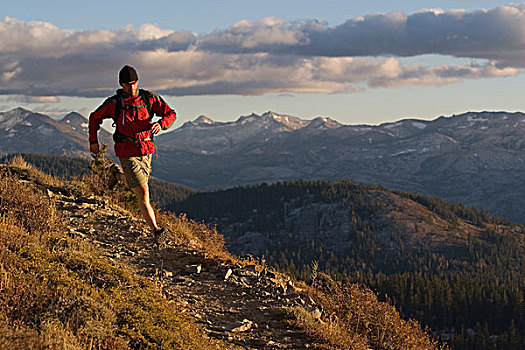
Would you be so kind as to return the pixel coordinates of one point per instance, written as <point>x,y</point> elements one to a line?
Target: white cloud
<point>150,32</point>
<point>270,55</point>
<point>247,35</point>
<point>497,34</point>
<point>439,75</point>
<point>34,99</point>
<point>43,39</point>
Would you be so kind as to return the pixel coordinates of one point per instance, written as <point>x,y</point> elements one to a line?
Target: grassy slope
<point>58,292</point>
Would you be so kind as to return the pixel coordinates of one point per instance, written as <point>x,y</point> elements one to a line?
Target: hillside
<point>453,268</point>
<point>79,271</point>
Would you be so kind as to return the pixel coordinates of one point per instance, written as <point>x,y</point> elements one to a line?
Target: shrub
<point>353,318</point>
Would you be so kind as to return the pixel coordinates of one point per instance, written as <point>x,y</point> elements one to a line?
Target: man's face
<point>131,88</point>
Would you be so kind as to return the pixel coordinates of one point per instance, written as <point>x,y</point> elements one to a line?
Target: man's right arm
<point>94,148</point>
<point>106,110</point>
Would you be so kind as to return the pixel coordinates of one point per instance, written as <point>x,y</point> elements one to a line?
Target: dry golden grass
<point>329,330</point>
<point>20,205</point>
<point>19,166</point>
<point>196,235</point>
<point>353,318</point>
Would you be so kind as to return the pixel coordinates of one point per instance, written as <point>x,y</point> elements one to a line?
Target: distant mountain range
<point>473,158</point>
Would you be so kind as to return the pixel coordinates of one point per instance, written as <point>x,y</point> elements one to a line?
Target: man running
<point>132,110</point>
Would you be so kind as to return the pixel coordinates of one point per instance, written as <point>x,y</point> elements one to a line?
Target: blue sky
<point>356,62</point>
<point>204,16</point>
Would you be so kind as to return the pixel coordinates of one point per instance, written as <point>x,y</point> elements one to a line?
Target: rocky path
<point>240,305</point>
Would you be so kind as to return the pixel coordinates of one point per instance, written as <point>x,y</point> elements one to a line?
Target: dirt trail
<point>239,305</point>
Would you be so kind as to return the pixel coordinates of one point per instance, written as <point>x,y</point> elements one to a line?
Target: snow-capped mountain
<point>22,131</point>
<point>247,132</point>
<point>76,121</point>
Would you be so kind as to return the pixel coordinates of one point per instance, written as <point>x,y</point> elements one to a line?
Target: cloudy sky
<point>369,63</point>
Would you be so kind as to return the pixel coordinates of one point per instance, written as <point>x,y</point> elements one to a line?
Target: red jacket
<point>132,122</point>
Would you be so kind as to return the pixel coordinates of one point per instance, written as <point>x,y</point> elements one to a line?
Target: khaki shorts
<point>136,170</point>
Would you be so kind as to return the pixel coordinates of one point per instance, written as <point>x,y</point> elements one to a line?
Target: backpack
<point>117,135</point>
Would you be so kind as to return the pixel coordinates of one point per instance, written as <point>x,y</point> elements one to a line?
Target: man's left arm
<point>162,109</point>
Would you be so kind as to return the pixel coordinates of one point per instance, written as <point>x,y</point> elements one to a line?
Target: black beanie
<point>127,74</point>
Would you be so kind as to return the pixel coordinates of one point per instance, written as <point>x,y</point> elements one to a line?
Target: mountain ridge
<point>437,261</point>
<point>39,133</point>
<point>476,158</point>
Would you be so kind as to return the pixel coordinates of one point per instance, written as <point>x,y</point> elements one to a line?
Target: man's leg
<point>137,170</point>
<point>142,192</point>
